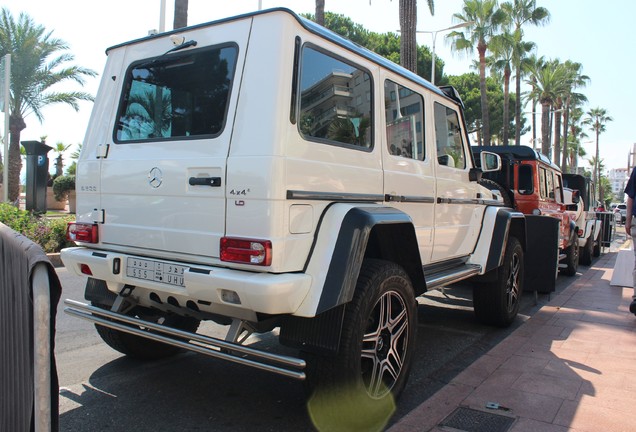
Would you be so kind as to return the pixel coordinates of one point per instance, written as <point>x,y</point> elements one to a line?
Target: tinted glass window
<point>177,95</point>
<point>335,100</point>
<point>526,186</point>
<point>448,138</point>
<point>403,121</point>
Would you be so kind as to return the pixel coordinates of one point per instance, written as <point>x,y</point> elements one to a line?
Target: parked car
<point>530,183</point>
<point>622,210</point>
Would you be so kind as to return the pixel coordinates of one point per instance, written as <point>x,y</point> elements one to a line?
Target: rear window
<point>176,96</point>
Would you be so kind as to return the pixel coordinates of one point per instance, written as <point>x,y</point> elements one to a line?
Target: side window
<point>158,103</point>
<point>525,184</point>
<point>403,109</point>
<point>558,188</point>
<point>448,138</point>
<point>549,184</point>
<point>335,100</point>
<point>542,182</point>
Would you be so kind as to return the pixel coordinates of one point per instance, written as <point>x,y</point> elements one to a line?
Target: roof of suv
<point>326,34</point>
<point>514,152</point>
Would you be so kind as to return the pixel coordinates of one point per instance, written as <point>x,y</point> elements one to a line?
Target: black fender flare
<point>369,232</point>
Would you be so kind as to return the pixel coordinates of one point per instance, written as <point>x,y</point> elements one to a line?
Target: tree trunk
<point>408,28</point>
<point>506,113</point>
<point>597,168</point>
<point>518,107</point>
<point>557,137</point>
<point>485,117</point>
<point>545,128</point>
<point>320,12</point>
<point>180,14</point>
<point>16,125</point>
<point>566,120</point>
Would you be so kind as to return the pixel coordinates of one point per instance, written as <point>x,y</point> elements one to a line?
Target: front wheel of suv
<point>497,302</point>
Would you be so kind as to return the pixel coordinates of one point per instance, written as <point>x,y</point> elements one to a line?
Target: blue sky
<point>595,35</point>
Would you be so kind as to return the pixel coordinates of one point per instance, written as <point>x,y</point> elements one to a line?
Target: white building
<point>618,179</point>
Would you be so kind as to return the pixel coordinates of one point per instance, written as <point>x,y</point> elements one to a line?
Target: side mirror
<point>490,161</point>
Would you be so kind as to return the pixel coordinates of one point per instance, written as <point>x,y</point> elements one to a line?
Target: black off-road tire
<point>142,348</point>
<point>497,302</point>
<point>494,186</point>
<point>585,257</point>
<point>377,341</point>
<point>572,257</point>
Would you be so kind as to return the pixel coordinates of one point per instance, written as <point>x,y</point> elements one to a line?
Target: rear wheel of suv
<point>139,347</point>
<point>572,257</point>
<point>376,347</point>
<point>497,302</point>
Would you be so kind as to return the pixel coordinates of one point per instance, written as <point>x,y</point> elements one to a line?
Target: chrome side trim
<point>333,196</point>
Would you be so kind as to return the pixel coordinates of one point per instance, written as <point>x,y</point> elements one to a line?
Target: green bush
<point>62,186</point>
<point>49,233</point>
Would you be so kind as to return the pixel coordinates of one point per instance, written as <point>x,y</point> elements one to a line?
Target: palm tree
<point>485,20</point>
<point>60,148</point>
<point>530,64</point>
<point>38,63</point>
<point>597,119</point>
<point>572,99</point>
<point>180,14</point>
<point>549,82</point>
<point>521,12</point>
<point>574,137</point>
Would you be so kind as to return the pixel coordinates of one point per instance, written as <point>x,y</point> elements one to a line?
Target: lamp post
<point>434,33</point>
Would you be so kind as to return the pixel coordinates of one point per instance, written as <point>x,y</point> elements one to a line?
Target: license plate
<point>156,271</point>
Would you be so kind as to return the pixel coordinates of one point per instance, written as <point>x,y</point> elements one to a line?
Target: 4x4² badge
<point>155,177</point>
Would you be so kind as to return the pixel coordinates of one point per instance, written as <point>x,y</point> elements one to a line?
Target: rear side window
<point>335,100</point>
<point>448,138</point>
<point>403,109</point>
<point>177,96</point>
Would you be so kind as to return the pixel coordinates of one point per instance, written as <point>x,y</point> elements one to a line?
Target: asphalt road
<point>101,390</point>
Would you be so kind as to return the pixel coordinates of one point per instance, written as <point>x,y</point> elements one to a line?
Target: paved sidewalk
<point>571,367</point>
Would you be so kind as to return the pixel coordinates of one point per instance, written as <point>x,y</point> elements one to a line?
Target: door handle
<point>205,181</point>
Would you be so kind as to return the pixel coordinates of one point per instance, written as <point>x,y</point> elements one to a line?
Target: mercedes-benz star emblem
<point>155,177</point>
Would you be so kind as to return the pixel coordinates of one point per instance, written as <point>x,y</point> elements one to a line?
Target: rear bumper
<point>203,285</point>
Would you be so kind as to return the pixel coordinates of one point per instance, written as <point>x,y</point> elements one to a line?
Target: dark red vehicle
<point>531,184</point>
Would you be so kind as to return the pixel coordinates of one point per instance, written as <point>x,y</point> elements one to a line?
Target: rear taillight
<point>246,251</point>
<point>81,232</point>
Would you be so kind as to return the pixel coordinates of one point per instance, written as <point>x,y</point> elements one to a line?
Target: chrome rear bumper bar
<point>213,347</point>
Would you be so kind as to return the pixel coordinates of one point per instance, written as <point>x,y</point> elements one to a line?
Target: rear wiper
<point>184,45</point>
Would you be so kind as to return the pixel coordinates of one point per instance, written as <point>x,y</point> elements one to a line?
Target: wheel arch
<point>498,224</point>
<point>363,232</point>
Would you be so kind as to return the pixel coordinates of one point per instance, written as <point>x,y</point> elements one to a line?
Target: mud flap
<point>542,253</point>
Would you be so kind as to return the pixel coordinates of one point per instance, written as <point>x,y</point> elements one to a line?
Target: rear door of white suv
<point>163,175</point>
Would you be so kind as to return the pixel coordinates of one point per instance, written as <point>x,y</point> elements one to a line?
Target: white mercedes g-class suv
<point>264,173</point>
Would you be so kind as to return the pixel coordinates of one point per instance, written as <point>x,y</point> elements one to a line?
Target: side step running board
<point>279,364</point>
<point>448,276</point>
